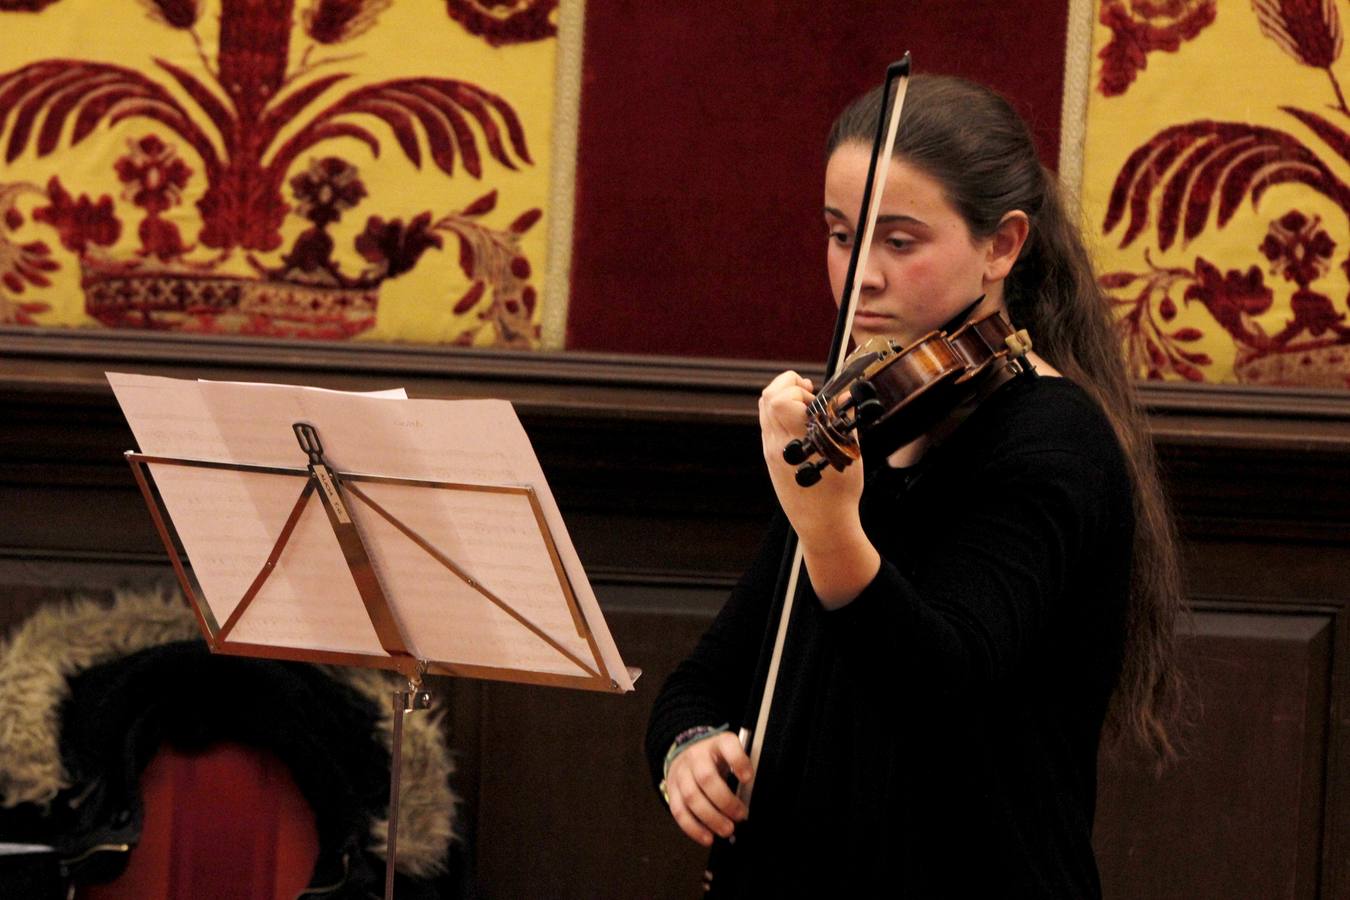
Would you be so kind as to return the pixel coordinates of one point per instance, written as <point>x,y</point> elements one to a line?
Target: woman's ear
<point>1005,244</point>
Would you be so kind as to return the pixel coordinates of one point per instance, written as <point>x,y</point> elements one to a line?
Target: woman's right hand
<point>696,786</point>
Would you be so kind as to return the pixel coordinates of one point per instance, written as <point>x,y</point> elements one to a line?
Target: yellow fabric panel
<point>251,57</point>
<point>1260,298</point>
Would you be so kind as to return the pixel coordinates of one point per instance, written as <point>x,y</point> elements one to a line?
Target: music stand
<point>373,537</point>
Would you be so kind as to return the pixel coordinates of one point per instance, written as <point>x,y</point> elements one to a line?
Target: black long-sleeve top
<point>938,736</point>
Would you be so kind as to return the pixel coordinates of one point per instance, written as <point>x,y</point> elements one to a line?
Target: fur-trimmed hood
<point>62,640</point>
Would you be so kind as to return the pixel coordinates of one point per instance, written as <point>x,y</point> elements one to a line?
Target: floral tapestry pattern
<point>294,168</point>
<point>1217,177</point>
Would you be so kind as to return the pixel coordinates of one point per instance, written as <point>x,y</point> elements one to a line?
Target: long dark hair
<point>974,144</point>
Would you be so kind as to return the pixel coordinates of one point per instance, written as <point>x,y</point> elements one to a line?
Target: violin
<point>895,394</point>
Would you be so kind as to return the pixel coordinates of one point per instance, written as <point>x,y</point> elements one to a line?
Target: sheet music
<point>496,539</point>
<point>229,521</point>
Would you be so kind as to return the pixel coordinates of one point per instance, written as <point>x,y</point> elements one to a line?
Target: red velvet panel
<point>698,227</point>
<point>227,824</point>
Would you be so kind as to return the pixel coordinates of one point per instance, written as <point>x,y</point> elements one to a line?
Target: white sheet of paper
<point>229,521</point>
<point>388,393</point>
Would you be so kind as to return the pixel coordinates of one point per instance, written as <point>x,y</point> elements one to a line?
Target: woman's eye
<point>841,237</point>
<point>899,243</point>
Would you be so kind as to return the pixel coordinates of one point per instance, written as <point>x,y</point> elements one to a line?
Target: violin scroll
<point>846,403</point>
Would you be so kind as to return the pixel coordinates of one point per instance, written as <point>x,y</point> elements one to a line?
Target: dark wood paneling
<point>1240,815</point>
<point>655,465</point>
<point>566,806</point>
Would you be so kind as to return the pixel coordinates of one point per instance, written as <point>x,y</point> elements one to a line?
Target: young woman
<point>982,602</point>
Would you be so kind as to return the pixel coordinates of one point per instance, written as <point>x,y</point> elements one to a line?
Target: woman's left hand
<point>838,554</point>
<point>827,506</point>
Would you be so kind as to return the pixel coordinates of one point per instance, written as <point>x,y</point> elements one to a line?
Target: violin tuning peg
<point>869,410</point>
<point>795,453</point>
<point>809,473</point>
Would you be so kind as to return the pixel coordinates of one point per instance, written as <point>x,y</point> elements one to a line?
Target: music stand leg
<point>404,702</point>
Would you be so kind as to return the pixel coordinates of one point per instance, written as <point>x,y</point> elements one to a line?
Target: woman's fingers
<point>788,379</point>
<point>782,408</point>
<point>787,387</point>
<point>715,789</point>
<point>727,747</point>
<point>700,799</point>
<point>702,807</point>
<point>688,823</point>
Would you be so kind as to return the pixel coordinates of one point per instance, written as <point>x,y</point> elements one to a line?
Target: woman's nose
<point>872,279</point>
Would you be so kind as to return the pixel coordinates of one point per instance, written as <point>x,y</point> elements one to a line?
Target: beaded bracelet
<point>682,740</point>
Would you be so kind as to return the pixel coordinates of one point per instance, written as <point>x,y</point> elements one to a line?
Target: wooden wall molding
<point>604,385</point>
<point>1237,459</point>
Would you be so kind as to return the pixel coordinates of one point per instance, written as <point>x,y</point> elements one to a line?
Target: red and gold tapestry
<point>295,168</point>
<point>1217,177</point>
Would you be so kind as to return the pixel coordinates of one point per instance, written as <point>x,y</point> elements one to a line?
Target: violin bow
<point>888,126</point>
<point>771,652</point>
